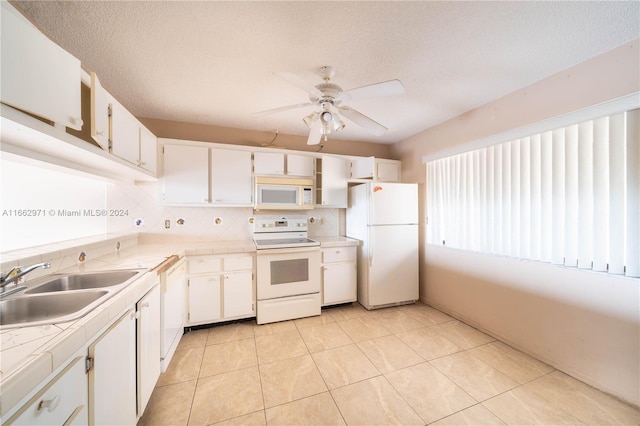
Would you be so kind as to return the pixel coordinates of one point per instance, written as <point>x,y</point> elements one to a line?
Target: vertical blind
<point>569,196</point>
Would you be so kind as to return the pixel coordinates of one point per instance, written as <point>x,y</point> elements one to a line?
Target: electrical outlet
<point>167,224</point>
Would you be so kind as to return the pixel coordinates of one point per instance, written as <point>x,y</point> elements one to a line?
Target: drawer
<point>205,264</point>
<point>238,263</point>
<point>339,254</point>
<point>62,401</point>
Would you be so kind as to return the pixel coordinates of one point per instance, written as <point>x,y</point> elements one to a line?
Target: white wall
<point>584,323</point>
<point>143,202</point>
<point>40,206</point>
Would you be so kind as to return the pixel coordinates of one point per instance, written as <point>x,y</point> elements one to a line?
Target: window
<point>567,196</point>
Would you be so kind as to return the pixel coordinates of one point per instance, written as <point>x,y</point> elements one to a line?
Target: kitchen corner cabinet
<point>377,169</point>
<point>37,75</point>
<point>130,140</point>
<point>112,378</point>
<point>339,275</point>
<point>220,288</point>
<point>231,181</point>
<point>186,174</point>
<point>332,182</point>
<point>62,401</point>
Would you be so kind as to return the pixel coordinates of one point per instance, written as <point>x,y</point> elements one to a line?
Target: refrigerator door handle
<point>370,246</point>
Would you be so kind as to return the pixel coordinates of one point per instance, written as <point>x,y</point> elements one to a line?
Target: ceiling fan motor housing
<point>330,91</point>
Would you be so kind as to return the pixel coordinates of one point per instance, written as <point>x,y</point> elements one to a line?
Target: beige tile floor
<point>404,365</point>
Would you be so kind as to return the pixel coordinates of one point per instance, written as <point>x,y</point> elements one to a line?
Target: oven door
<point>287,272</point>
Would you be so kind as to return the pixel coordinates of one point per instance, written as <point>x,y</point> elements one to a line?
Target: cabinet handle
<point>76,120</point>
<point>49,404</point>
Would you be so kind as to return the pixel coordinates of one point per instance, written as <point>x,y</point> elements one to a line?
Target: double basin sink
<point>62,297</point>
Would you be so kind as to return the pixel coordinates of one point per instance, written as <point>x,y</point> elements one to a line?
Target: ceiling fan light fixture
<point>326,127</point>
<point>309,119</point>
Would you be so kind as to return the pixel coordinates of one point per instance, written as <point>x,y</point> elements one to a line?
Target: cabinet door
<point>387,171</point>
<point>148,150</point>
<point>61,401</point>
<point>238,294</point>
<point>339,283</point>
<point>186,174</point>
<point>37,75</point>
<point>112,380</point>
<point>231,181</point>
<point>268,163</point>
<point>300,165</point>
<point>100,101</point>
<point>335,173</point>
<point>204,299</point>
<point>362,168</point>
<point>148,346</point>
<point>125,133</point>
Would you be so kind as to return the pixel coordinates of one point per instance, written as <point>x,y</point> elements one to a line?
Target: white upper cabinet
<point>332,182</point>
<point>268,163</point>
<point>125,133</point>
<point>231,182</point>
<point>273,163</point>
<point>186,174</point>
<point>378,169</point>
<point>300,165</point>
<point>37,75</point>
<point>148,150</point>
<point>100,104</point>
<point>130,140</point>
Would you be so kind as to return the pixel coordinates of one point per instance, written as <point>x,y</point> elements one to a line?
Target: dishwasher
<point>172,304</point>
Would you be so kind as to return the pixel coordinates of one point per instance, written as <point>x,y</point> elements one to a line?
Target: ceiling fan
<point>329,98</point>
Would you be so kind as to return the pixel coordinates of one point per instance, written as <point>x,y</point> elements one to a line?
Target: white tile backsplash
<point>142,201</point>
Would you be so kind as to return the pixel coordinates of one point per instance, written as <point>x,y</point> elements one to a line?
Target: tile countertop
<point>336,241</point>
<point>29,355</point>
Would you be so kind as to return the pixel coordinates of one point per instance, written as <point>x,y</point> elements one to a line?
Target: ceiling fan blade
<point>300,83</point>
<point>315,133</point>
<point>362,120</point>
<point>284,108</point>
<point>386,88</point>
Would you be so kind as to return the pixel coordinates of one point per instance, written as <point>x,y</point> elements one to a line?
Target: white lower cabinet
<point>112,378</point>
<point>238,294</point>
<point>204,299</point>
<point>220,288</point>
<point>148,346</point>
<point>339,275</point>
<point>63,401</point>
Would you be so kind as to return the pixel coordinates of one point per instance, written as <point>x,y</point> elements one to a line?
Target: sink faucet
<point>16,273</point>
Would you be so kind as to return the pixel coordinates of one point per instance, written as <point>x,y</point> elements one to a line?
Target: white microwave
<point>282,193</point>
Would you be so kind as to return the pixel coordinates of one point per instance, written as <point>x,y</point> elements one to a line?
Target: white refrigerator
<point>384,217</point>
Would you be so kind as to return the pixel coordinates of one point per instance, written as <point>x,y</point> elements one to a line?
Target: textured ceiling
<point>213,62</point>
